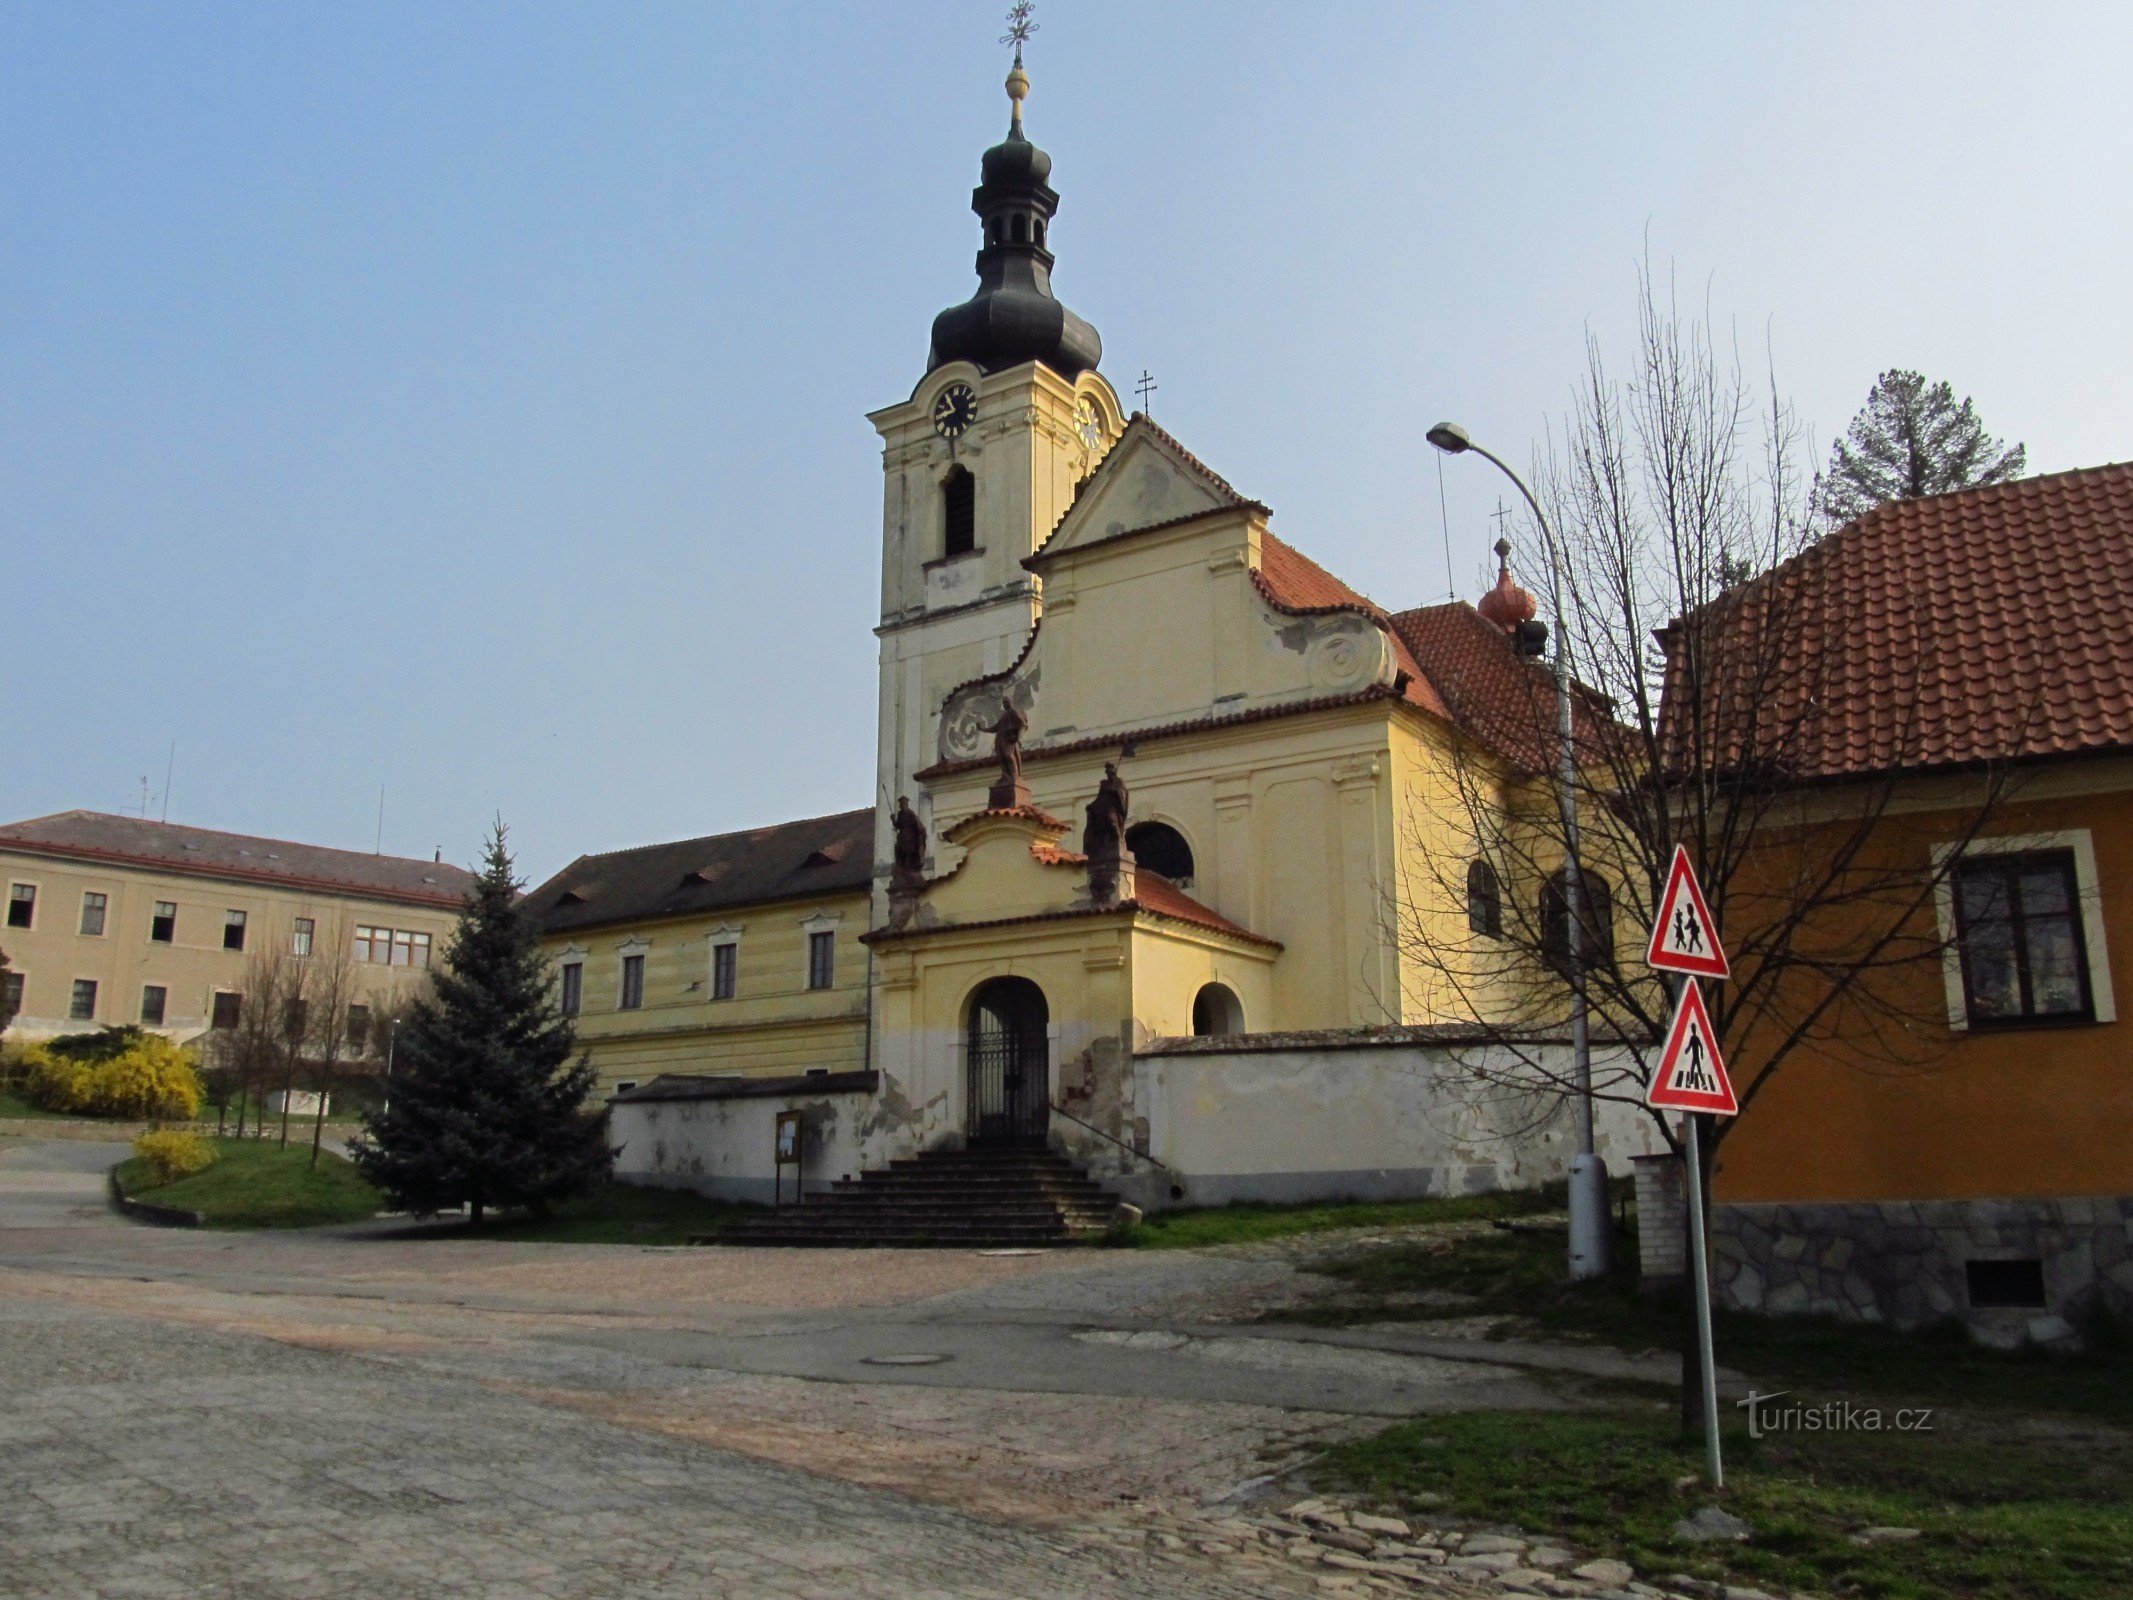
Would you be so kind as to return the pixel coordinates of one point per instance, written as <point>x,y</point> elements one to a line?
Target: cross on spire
<point>1146,387</point>
<point>1020,25</point>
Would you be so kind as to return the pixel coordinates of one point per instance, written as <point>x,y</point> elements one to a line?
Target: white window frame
<point>724,933</point>
<point>2103,1007</point>
<point>36,888</point>
<point>303,936</point>
<point>813,923</point>
<point>634,945</point>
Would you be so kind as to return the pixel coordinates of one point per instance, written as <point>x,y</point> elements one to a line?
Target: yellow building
<point>1285,754</point>
<point>114,920</point>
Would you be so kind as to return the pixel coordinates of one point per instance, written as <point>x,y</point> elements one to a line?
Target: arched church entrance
<point>1008,1049</point>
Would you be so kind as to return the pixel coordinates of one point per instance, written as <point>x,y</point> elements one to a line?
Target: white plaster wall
<point>725,1148</point>
<point>1312,1124</point>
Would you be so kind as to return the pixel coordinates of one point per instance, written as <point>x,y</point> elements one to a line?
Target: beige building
<point>114,920</point>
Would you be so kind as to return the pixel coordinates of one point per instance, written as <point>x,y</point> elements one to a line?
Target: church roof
<point>241,857</point>
<point>785,861</point>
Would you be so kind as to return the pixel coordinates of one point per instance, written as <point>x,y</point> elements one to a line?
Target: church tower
<point>979,464</point>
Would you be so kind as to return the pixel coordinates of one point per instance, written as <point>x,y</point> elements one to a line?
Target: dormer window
<point>959,513</point>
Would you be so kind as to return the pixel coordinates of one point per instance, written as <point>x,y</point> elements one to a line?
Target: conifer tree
<point>485,1107</point>
<point>1912,439</point>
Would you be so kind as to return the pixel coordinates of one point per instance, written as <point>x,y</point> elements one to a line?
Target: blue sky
<point>469,399</point>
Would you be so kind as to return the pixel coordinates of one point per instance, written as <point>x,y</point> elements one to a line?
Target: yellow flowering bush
<point>150,1078</point>
<point>169,1154</point>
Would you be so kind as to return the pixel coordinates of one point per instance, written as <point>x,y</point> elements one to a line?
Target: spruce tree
<point>485,1107</point>
<point>1913,439</point>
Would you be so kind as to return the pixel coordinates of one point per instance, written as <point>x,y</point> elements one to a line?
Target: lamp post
<point>1589,1237</point>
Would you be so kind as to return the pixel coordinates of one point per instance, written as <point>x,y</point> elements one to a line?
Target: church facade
<point>1160,801</point>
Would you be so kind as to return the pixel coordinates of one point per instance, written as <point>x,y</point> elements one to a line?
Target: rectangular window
<point>373,946</point>
<point>163,926</point>
<point>632,982</point>
<point>154,997</point>
<point>2019,936</point>
<point>725,966</point>
<point>11,985</point>
<point>233,930</point>
<point>93,907</point>
<point>821,960</point>
<point>421,949</point>
<point>22,905</point>
<point>408,949</point>
<point>358,1029</point>
<point>82,1007</point>
<point>228,1008</point>
<point>300,938</point>
<point>572,996</point>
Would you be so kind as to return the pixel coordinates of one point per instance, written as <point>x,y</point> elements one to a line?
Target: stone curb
<point>144,1211</point>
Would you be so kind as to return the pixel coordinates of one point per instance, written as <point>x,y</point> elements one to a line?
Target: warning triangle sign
<point>1684,933</point>
<point>1691,1074</point>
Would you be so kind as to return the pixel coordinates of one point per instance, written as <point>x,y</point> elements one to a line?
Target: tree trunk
<point>318,1123</point>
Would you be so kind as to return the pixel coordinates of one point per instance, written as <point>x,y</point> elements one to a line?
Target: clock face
<point>954,411</point>
<point>1087,423</point>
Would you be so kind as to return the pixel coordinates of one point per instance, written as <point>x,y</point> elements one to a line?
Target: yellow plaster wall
<point>54,952</point>
<point>773,1025</point>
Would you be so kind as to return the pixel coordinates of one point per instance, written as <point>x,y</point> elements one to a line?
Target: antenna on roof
<point>169,767</point>
<point>378,849</point>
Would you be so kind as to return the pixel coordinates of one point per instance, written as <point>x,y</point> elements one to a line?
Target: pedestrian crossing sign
<point>1684,933</point>
<point>1692,1074</point>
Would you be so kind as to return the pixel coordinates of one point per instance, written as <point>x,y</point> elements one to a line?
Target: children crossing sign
<point>1691,1075</point>
<point>1684,933</point>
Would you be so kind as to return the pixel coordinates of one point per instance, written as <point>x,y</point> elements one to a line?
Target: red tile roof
<point>1499,697</point>
<point>1292,582</point>
<point>1158,896</point>
<point>1984,625</point>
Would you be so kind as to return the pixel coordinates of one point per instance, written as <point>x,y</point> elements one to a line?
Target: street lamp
<point>1589,1237</point>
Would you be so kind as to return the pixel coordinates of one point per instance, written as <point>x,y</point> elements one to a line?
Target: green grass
<point>612,1213</point>
<point>12,1105</point>
<point>1247,1221</point>
<point>2001,1516</point>
<point>255,1183</point>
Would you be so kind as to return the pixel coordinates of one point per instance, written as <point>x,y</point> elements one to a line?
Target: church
<point>1158,800</point>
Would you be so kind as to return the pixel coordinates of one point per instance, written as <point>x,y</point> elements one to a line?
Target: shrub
<point>168,1154</point>
<point>105,1044</point>
<point>152,1078</point>
<point>16,1061</point>
<point>56,1083</point>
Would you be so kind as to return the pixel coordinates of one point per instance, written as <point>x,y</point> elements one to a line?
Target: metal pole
<point>1701,1268</point>
<point>1590,1240</point>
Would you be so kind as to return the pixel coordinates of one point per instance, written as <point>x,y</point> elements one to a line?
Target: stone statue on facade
<point>1103,836</point>
<point>907,869</point>
<point>1009,789</point>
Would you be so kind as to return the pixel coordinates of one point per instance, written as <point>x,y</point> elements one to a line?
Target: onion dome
<point>1506,605</point>
<point>1014,317</point>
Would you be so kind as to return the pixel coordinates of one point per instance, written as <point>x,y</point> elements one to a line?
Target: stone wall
<point>1907,1263</point>
<point>1662,1221</point>
<point>717,1135</point>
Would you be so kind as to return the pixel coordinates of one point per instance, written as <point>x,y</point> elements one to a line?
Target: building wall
<point>53,953</point>
<point>726,1147</point>
<point>773,1025</point>
<point>1944,1113</point>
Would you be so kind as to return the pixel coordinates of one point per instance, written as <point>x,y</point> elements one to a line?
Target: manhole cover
<point>916,1358</point>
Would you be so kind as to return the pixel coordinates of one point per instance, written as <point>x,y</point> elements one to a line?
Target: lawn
<point>612,1213</point>
<point>1246,1222</point>
<point>13,1105</point>
<point>255,1183</point>
<point>2019,1485</point>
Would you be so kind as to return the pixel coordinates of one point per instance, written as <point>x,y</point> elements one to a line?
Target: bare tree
<point>1705,639</point>
<point>333,993</point>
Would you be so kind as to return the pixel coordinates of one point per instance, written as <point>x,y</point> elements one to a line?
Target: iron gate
<point>1009,1053</point>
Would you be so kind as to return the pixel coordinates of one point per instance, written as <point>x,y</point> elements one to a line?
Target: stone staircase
<point>987,1196</point>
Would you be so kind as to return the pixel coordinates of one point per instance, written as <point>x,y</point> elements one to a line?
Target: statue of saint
<point>1008,790</point>
<point>1104,835</point>
<point>910,840</point>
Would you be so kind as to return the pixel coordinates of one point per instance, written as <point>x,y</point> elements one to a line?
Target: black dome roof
<point>1014,317</point>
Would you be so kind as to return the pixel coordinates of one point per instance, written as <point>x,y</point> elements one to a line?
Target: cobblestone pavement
<point>338,1415</point>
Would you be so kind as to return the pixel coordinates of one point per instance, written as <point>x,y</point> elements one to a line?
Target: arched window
<point>1216,1010</point>
<point>1040,233</point>
<point>1021,229</point>
<point>1160,848</point>
<point>1484,900</point>
<point>959,513</point>
<point>1596,927</point>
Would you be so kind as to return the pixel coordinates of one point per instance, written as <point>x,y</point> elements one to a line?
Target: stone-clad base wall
<point>1903,1263</point>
